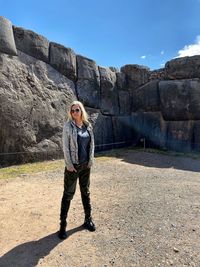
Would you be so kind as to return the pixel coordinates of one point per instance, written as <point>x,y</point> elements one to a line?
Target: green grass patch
<point>30,168</point>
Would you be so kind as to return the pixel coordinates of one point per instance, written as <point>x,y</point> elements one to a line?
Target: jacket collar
<point>74,124</point>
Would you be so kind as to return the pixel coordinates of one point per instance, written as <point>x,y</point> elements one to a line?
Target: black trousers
<point>70,182</point>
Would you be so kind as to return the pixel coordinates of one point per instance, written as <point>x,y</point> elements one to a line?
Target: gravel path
<point>146,207</point>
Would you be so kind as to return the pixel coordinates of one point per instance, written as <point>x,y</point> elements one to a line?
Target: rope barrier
<point>141,140</point>
<point>59,150</point>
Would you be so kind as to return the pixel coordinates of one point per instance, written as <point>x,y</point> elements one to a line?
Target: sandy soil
<point>146,207</point>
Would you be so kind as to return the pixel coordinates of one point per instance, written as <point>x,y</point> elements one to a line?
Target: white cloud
<point>162,52</point>
<point>190,50</point>
<point>143,57</point>
<point>162,64</point>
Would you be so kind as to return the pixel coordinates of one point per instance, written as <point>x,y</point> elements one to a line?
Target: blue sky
<point>114,32</point>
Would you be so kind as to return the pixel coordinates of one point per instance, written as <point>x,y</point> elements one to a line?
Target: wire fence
<point>33,152</point>
<point>16,157</point>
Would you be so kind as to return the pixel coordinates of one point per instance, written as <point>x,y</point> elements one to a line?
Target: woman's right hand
<point>72,169</point>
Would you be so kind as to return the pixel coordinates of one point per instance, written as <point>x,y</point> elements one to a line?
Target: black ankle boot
<point>89,224</point>
<point>62,234</point>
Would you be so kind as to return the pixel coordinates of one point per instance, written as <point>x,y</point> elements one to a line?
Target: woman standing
<point>78,147</point>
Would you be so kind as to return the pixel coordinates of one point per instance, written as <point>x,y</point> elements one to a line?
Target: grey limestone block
<point>7,42</point>
<point>88,83</point>
<point>180,99</point>
<point>34,99</point>
<point>124,102</point>
<point>63,59</point>
<point>146,98</point>
<point>196,136</point>
<point>136,75</point>
<point>151,126</point>
<point>109,92</point>
<point>122,131</point>
<point>180,135</point>
<point>31,43</point>
<point>159,74</point>
<point>183,68</point>
<point>125,96</point>
<point>121,80</point>
<point>103,129</point>
<point>87,69</point>
<point>114,69</point>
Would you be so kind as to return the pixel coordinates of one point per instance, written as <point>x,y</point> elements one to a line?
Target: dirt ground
<point>146,207</point>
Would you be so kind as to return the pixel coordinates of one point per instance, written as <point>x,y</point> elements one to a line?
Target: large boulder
<point>136,75</point>
<point>123,93</point>
<point>33,101</point>
<point>63,59</point>
<point>149,129</point>
<point>146,98</point>
<point>109,93</point>
<point>124,102</point>
<point>7,42</point>
<point>179,135</point>
<point>114,69</point>
<point>32,43</point>
<point>180,99</point>
<point>196,136</point>
<point>123,131</point>
<point>88,83</point>
<point>121,80</point>
<point>103,129</point>
<point>159,74</point>
<point>183,68</point>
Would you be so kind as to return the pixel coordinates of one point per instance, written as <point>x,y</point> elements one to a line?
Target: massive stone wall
<point>38,80</point>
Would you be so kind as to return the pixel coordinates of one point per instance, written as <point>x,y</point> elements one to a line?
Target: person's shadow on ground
<point>28,254</point>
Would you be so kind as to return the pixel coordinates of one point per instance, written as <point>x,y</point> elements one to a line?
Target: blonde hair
<point>84,114</point>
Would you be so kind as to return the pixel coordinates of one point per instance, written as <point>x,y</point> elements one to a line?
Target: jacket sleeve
<point>66,146</point>
<point>91,153</point>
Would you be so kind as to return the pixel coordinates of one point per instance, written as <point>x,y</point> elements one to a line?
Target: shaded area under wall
<point>155,158</point>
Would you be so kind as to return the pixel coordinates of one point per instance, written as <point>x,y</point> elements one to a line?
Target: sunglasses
<point>75,110</point>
